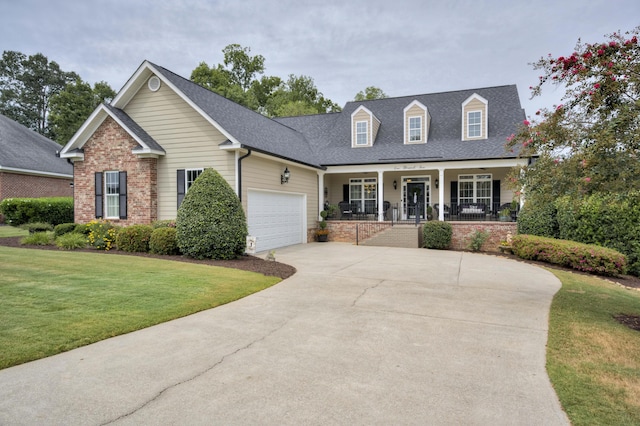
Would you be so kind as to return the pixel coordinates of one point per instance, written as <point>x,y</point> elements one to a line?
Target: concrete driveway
<point>360,335</point>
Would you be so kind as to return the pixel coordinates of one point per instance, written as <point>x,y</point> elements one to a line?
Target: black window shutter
<point>345,192</point>
<point>454,197</point>
<point>496,195</point>
<point>181,186</point>
<point>99,199</point>
<point>122,201</point>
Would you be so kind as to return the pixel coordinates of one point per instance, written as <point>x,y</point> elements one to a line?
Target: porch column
<point>380,196</point>
<point>320,194</point>
<point>441,194</point>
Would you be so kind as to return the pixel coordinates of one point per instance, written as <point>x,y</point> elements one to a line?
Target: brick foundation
<point>498,231</point>
<point>109,149</point>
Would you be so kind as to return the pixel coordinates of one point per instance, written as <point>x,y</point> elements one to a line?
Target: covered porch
<point>417,192</point>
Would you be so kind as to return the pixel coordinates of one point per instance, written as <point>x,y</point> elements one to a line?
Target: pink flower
<point>600,52</point>
<point>559,107</point>
<point>597,85</point>
<point>526,123</point>
<point>587,179</point>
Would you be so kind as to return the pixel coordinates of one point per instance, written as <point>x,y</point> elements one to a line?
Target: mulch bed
<point>246,263</point>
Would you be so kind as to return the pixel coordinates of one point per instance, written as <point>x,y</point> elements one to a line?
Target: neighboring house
<point>135,159</point>
<point>29,166</point>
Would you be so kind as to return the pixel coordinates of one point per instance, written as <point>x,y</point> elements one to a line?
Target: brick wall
<point>109,149</point>
<point>15,185</point>
<point>498,231</point>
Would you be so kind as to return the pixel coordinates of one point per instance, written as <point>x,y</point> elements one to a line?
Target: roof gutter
<point>239,168</point>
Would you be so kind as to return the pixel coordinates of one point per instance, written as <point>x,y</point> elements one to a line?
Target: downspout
<point>239,168</point>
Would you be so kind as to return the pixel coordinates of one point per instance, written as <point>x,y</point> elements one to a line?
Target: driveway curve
<point>360,335</point>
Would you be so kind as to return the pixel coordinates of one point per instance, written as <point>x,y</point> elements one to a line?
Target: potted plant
<point>505,215</point>
<point>322,233</point>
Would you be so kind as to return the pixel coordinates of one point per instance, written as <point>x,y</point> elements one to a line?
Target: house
<point>29,167</point>
<point>135,159</point>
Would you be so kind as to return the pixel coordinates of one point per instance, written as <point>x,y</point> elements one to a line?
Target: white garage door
<point>276,219</point>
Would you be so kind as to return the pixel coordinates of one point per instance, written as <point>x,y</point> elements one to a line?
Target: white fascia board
<point>35,172</point>
<point>432,165</point>
<point>85,131</point>
<point>187,100</point>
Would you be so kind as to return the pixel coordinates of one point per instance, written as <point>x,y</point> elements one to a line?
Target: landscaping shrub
<point>37,227</point>
<point>477,239</point>
<point>609,220</point>
<point>38,239</point>
<point>579,256</point>
<point>163,241</point>
<point>167,223</point>
<point>71,241</point>
<point>134,238</point>
<point>64,228</point>
<point>53,210</point>
<point>538,219</point>
<point>101,234</point>
<point>211,222</point>
<point>437,235</point>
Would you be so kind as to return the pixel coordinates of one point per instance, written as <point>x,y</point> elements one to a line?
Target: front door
<point>415,200</point>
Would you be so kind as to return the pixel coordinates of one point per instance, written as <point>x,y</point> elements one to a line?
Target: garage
<point>276,219</point>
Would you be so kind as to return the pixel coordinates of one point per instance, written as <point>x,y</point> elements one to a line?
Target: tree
<point>591,142</point>
<point>73,105</point>
<point>26,87</point>
<point>298,96</point>
<point>237,80</point>
<point>370,93</point>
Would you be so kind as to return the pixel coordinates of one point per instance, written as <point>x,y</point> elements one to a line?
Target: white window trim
<point>484,127</point>
<point>424,123</point>
<point>419,140</point>
<point>480,136</point>
<point>366,133</point>
<point>363,183</point>
<point>475,180</point>
<point>108,196</point>
<point>187,185</point>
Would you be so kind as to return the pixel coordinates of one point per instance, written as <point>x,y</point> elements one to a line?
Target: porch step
<point>407,236</point>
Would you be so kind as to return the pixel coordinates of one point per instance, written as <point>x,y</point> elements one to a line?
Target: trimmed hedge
<point>437,235</point>
<point>163,241</point>
<point>134,238</point>
<point>538,219</point>
<point>211,222</point>
<point>579,256</point>
<point>53,210</point>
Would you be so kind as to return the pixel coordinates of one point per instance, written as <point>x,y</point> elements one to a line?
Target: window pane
<point>191,176</point>
<point>474,124</point>
<point>361,133</point>
<point>415,128</point>
<point>112,192</point>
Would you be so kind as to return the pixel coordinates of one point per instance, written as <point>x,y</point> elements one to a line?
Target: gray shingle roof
<point>330,135</point>
<point>249,128</point>
<point>134,128</point>
<point>24,149</point>
<point>325,139</point>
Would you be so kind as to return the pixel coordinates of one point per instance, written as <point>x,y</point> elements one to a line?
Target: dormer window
<point>415,129</point>
<point>361,133</point>
<point>416,123</point>
<point>474,124</point>
<point>364,127</point>
<point>475,111</point>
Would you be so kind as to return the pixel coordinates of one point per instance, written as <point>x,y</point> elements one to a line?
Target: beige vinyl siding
<point>416,111</point>
<point>189,140</point>
<point>376,126</point>
<point>475,105</point>
<point>263,173</point>
<point>373,124</point>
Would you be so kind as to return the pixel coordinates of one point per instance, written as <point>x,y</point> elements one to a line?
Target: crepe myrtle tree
<point>591,141</point>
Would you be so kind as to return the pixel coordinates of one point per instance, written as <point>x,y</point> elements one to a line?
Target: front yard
<point>54,301</point>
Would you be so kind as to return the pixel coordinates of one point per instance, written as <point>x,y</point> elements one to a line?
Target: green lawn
<point>592,360</point>
<point>56,301</point>
<point>11,231</point>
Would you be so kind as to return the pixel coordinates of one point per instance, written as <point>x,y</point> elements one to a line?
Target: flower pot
<point>322,238</point>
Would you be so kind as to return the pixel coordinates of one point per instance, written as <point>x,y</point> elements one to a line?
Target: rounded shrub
<point>64,228</point>
<point>163,241</point>
<point>134,238</point>
<point>437,235</point>
<point>211,223</point>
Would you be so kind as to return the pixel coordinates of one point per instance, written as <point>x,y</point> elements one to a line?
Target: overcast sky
<point>405,47</point>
